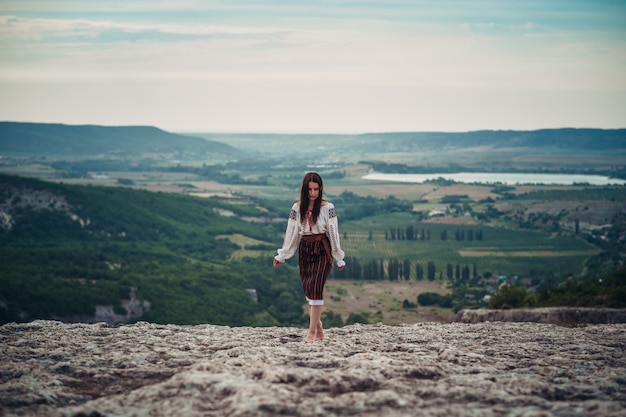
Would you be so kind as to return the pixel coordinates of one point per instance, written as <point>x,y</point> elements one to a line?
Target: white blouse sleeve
<point>333,236</point>
<point>292,236</point>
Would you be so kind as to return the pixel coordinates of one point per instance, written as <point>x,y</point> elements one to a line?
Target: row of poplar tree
<point>412,233</point>
<point>395,270</point>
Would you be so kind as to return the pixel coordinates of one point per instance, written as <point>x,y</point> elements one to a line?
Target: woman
<point>313,229</point>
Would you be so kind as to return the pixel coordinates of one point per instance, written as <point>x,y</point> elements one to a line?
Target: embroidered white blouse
<point>326,223</point>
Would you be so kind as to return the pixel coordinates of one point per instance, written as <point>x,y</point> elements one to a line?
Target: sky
<point>298,66</point>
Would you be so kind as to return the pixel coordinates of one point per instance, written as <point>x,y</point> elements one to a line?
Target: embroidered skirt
<point>315,261</point>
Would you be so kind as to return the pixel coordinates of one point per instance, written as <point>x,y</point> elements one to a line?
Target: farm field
<point>381,301</point>
<point>502,251</point>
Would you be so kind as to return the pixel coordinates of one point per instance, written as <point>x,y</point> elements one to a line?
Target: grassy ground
<point>244,241</point>
<point>381,301</point>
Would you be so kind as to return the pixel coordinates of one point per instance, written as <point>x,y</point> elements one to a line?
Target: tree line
<point>413,233</point>
<point>396,270</point>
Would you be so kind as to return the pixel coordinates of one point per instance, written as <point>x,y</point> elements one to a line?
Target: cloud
<point>14,28</point>
<point>82,49</point>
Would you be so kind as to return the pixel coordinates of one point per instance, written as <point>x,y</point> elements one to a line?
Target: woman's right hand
<point>276,262</point>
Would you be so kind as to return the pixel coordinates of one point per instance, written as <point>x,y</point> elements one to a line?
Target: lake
<point>500,178</point>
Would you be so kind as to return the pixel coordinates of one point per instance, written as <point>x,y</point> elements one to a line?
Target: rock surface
<point>554,315</point>
<point>53,369</point>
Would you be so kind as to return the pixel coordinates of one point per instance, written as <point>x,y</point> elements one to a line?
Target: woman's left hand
<point>340,268</point>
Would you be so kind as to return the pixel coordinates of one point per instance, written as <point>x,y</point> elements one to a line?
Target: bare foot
<point>310,337</point>
<point>319,332</point>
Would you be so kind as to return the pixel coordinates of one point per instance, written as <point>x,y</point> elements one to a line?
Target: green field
<point>502,251</point>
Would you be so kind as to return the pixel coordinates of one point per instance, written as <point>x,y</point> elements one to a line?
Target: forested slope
<point>65,249</point>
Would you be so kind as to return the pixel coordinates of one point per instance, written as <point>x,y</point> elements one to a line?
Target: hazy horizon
<point>298,133</point>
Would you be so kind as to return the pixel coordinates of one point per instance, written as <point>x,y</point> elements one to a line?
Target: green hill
<point>61,139</point>
<point>64,250</point>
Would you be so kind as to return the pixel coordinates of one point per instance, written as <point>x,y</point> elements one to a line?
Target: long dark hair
<point>304,197</point>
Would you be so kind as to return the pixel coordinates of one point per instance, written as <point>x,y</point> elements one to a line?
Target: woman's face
<point>314,191</point>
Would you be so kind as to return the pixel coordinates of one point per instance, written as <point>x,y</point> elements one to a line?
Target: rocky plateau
<point>517,369</point>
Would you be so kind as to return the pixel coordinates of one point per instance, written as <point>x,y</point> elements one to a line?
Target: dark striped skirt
<point>315,261</point>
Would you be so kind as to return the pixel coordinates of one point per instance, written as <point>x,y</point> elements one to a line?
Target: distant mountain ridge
<point>565,138</point>
<point>53,139</point>
<point>84,140</point>
<point>571,139</point>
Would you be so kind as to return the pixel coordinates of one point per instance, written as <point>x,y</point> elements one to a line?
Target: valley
<point>191,217</point>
